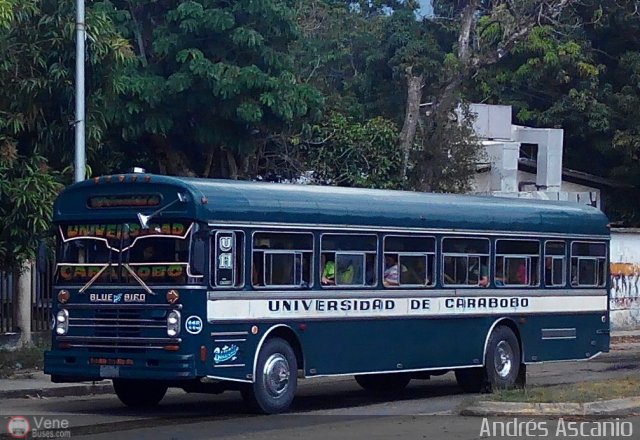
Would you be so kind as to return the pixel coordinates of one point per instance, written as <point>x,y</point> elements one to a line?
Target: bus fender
<point>262,341</point>
<point>496,323</point>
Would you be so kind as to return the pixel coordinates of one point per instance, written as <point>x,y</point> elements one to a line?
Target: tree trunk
<point>449,93</point>
<point>233,166</point>
<point>467,26</point>
<point>23,309</point>
<point>412,109</point>
<point>208,164</point>
<point>170,160</point>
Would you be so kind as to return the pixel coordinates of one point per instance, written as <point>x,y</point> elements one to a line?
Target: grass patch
<point>578,392</point>
<point>21,360</point>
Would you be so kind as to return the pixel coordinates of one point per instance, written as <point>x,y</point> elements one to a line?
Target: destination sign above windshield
<point>124,201</point>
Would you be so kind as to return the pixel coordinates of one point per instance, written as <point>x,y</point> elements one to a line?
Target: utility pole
<point>80,161</point>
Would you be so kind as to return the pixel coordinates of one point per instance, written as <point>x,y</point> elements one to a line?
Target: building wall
<point>625,279</point>
<point>573,192</point>
<point>484,183</point>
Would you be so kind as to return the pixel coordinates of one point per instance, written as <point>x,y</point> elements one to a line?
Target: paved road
<point>324,409</point>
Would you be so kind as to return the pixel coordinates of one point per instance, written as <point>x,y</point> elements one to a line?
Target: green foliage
<point>213,79</point>
<point>344,152</point>
<point>448,154</point>
<point>37,61</point>
<point>27,190</point>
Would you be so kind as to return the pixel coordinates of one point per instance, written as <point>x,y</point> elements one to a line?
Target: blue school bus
<point>211,285</point>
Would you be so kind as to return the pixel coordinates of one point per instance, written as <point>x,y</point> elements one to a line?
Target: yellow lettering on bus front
<point>174,271</point>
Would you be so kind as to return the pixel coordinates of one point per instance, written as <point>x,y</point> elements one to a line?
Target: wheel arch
<point>511,324</point>
<point>286,333</point>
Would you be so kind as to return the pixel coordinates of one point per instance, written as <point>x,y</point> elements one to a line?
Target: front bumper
<point>78,366</point>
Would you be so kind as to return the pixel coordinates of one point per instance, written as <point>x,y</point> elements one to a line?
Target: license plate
<point>109,371</point>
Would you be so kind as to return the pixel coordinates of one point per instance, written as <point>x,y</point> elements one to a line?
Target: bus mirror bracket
<point>144,219</point>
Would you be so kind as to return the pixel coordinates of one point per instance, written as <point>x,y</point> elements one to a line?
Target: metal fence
<point>41,294</point>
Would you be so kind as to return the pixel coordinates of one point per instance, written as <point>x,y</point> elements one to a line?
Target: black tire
<point>502,359</point>
<point>383,384</point>
<point>139,393</point>
<point>276,380</point>
<point>472,380</point>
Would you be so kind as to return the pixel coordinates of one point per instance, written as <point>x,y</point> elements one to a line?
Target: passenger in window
<point>391,276</point>
<point>345,272</point>
<point>522,276</point>
<point>392,270</point>
<point>478,271</point>
<point>328,271</point>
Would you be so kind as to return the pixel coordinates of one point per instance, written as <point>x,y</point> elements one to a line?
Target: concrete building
<point>527,162</point>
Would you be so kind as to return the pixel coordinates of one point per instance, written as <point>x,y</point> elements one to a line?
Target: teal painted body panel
<point>393,345</point>
<point>362,346</point>
<point>339,346</point>
<point>242,202</point>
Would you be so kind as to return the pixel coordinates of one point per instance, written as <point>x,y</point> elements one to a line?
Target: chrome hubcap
<point>275,375</point>
<point>503,359</point>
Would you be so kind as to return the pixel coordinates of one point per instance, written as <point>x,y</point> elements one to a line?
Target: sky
<point>425,8</point>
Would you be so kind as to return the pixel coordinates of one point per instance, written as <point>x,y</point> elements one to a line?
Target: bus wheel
<point>276,378</point>
<point>383,383</point>
<point>502,359</point>
<point>139,393</point>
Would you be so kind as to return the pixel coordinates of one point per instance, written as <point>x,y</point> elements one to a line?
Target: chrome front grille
<point>118,327</point>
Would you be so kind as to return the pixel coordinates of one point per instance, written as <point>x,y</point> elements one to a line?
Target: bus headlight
<point>62,322</point>
<point>173,323</point>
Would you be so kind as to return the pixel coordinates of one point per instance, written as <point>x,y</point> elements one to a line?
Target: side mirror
<point>144,219</point>
<point>42,257</point>
<point>198,256</point>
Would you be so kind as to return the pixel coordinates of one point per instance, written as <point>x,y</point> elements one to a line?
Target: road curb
<point>71,390</point>
<point>605,407</point>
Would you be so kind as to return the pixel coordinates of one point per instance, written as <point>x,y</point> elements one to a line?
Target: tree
<point>579,74</point>
<point>213,79</point>
<point>344,152</point>
<point>37,53</point>
<point>485,32</point>
<point>27,190</point>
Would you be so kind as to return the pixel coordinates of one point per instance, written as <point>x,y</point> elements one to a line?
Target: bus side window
<point>555,263</point>
<point>348,260</point>
<point>518,262</point>
<point>409,261</point>
<point>588,264</point>
<point>282,259</point>
<point>465,261</point>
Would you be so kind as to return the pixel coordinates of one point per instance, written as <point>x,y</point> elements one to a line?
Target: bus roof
<point>213,200</point>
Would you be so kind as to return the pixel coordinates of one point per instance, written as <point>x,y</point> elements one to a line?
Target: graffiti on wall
<point>625,286</point>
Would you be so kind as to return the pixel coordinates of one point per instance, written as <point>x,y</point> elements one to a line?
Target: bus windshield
<point>123,253</point>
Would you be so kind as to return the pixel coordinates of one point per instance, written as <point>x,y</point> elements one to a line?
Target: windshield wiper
<point>95,277</point>
<point>138,279</point>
